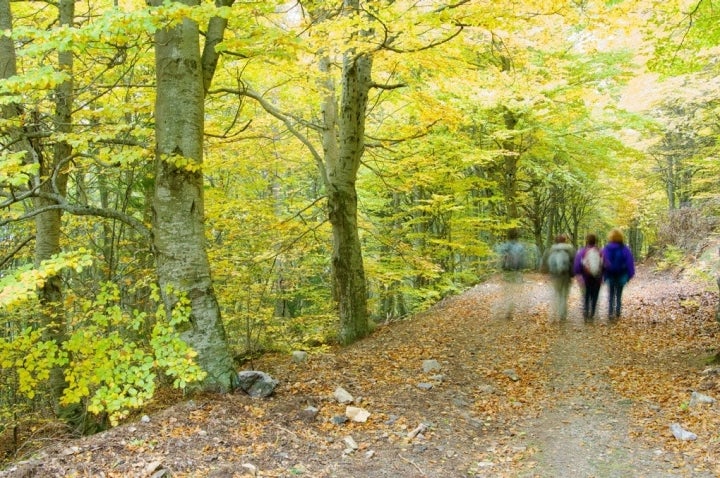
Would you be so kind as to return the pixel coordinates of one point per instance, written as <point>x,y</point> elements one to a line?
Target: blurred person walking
<point>513,259</point>
<point>618,269</point>
<point>588,267</point>
<point>558,261</point>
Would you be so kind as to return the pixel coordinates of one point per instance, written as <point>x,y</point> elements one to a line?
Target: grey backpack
<point>559,262</point>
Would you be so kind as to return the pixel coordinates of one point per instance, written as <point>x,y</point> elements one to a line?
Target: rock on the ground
<point>681,434</point>
<point>431,365</point>
<point>342,395</point>
<point>339,420</point>
<point>350,442</point>
<point>249,469</point>
<point>256,383</point>
<point>700,399</point>
<point>511,374</point>
<point>309,414</point>
<point>357,414</point>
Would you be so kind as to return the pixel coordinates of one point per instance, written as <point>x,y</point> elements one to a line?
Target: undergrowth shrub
<point>116,369</point>
<point>112,360</point>
<point>686,229</point>
<point>672,257</point>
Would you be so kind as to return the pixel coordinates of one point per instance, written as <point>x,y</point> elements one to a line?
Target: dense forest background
<point>186,185</point>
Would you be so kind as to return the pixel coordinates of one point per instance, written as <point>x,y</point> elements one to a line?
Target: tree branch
<point>81,210</point>
<point>16,250</point>
<point>210,56</point>
<point>287,120</point>
<point>388,87</point>
<point>400,140</point>
<point>460,29</point>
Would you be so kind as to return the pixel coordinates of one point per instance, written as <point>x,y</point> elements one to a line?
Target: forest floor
<point>526,397</point>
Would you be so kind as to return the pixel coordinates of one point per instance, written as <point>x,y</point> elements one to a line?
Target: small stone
<point>511,374</point>
<point>460,402</point>
<point>257,384</point>
<point>700,399</point>
<point>424,386</point>
<point>369,454</point>
<point>342,395</point>
<point>299,356</point>
<point>431,365</point>
<point>350,442</point>
<point>249,469</point>
<point>145,419</point>
<point>309,414</point>
<point>357,414</point>
<point>486,389</point>
<point>339,420</point>
<point>152,467</point>
<point>391,419</point>
<point>681,434</point>
<point>417,431</point>
<point>70,451</point>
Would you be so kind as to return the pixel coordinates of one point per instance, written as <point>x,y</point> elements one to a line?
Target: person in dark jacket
<point>618,269</point>
<point>588,267</point>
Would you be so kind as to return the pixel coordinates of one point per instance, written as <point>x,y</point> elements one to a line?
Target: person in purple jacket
<point>618,269</point>
<point>588,267</point>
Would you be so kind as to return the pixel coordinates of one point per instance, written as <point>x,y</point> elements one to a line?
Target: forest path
<point>589,427</point>
<point>525,397</point>
<point>585,432</point>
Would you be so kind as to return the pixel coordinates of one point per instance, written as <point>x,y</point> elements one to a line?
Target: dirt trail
<point>517,398</point>
<point>587,431</point>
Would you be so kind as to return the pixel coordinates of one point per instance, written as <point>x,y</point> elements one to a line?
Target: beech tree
<point>49,184</point>
<point>183,77</point>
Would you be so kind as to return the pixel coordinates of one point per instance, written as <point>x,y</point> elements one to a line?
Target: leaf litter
<point>526,397</point>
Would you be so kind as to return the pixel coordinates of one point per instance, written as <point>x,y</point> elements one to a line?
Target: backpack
<point>559,262</point>
<point>615,261</point>
<point>592,262</point>
<point>512,259</point>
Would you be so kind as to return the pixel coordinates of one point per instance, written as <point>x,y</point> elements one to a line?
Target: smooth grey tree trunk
<point>178,209</point>
<point>48,225</point>
<point>350,289</point>
<point>510,168</point>
<point>52,179</point>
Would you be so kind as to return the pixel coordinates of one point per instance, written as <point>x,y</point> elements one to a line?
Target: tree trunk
<point>49,225</point>
<point>670,184</point>
<point>51,178</point>
<point>342,153</point>
<point>350,289</point>
<point>178,208</point>
<point>510,167</point>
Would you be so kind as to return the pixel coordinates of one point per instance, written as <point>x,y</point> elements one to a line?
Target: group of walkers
<point>613,265</point>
